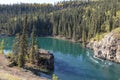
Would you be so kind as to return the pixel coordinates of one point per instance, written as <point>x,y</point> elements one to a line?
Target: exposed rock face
<point>108,48</point>
<point>46,59</point>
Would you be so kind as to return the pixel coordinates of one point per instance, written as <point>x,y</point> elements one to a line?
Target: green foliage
<point>2,47</point>
<point>21,60</point>
<point>98,37</point>
<point>21,54</point>
<point>116,33</point>
<point>117,30</point>
<point>23,45</point>
<point>16,48</point>
<point>86,22</point>
<point>9,54</point>
<point>54,77</point>
<point>78,20</point>
<point>32,48</point>
<point>20,46</point>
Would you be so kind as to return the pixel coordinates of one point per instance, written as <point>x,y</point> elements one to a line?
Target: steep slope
<point>109,47</point>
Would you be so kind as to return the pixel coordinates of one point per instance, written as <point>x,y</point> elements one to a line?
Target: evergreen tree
<point>23,45</point>
<point>16,48</point>
<point>2,47</point>
<point>64,18</point>
<point>32,48</point>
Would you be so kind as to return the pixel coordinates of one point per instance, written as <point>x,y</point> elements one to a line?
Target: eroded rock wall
<point>108,47</point>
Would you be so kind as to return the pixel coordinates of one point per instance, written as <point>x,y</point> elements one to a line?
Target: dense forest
<point>78,20</point>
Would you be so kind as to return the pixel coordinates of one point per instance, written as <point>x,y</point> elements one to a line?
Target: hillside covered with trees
<point>78,20</point>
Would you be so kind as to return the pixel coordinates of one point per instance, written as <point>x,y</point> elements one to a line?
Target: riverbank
<point>75,61</point>
<point>63,38</point>
<point>107,48</point>
<point>15,73</point>
<point>67,39</point>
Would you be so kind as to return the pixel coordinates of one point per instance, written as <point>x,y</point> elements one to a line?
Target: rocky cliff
<point>109,47</point>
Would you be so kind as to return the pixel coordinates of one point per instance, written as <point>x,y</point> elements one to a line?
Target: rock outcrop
<point>46,59</point>
<point>109,47</point>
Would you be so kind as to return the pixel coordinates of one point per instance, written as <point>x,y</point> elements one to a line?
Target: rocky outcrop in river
<point>107,48</point>
<point>45,59</point>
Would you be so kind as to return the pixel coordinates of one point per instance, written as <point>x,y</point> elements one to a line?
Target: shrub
<point>54,77</point>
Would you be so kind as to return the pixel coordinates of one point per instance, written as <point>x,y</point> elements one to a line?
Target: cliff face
<point>109,47</point>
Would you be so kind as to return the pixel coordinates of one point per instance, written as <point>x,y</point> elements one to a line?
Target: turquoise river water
<point>72,62</point>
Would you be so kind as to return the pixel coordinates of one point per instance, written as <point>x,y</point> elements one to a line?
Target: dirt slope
<point>7,73</point>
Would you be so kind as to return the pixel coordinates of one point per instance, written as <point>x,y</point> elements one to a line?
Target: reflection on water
<point>72,62</point>
<point>62,46</point>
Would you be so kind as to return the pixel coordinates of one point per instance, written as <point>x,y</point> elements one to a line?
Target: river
<point>72,62</point>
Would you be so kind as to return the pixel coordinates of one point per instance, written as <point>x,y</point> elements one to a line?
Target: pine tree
<point>16,48</point>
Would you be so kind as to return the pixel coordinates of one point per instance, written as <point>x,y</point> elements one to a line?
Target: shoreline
<point>86,47</point>
<point>16,73</point>
<point>71,40</point>
<point>64,38</point>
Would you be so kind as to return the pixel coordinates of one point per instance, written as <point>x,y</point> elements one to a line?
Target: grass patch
<point>99,37</point>
<point>116,33</point>
<point>117,30</point>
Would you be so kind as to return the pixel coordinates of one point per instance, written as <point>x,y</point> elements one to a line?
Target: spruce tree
<point>32,48</point>
<point>23,45</point>
<point>16,48</point>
